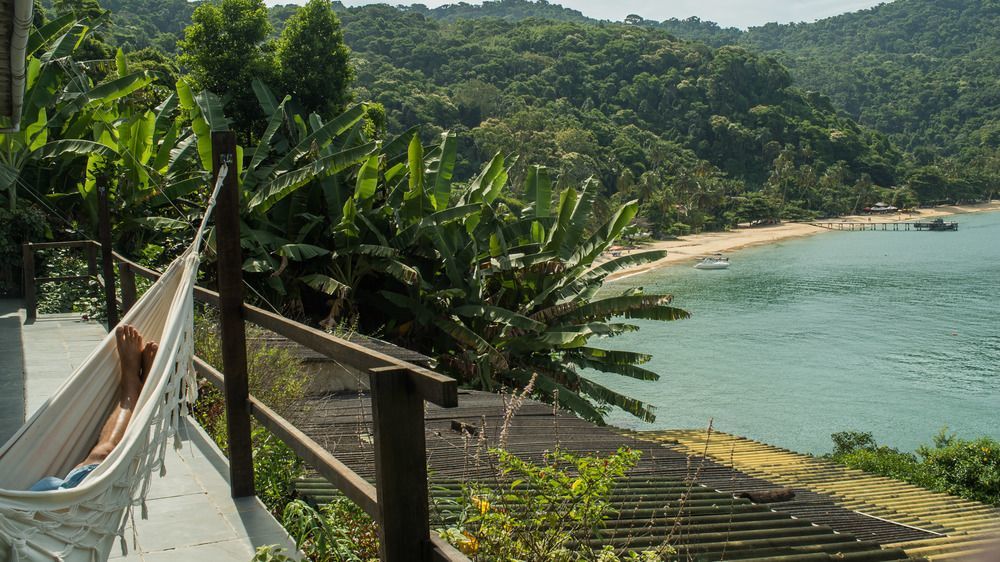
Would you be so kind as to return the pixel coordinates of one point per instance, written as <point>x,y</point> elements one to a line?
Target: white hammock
<point>81,523</point>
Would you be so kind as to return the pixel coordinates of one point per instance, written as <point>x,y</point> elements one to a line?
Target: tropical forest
<point>469,181</point>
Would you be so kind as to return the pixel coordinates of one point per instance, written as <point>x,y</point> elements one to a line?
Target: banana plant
<point>294,193</point>
<point>60,101</point>
<point>512,287</point>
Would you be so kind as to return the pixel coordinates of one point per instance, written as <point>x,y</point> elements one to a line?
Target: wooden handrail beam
<point>442,551</point>
<point>433,387</point>
<point>65,244</point>
<point>61,279</point>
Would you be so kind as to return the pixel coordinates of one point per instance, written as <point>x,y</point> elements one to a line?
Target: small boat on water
<point>713,262</point>
<point>936,225</point>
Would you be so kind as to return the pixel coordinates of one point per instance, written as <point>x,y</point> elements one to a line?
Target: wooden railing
<point>398,501</point>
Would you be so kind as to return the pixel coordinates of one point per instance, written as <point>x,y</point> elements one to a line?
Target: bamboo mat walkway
<point>674,494</point>
<point>967,528</point>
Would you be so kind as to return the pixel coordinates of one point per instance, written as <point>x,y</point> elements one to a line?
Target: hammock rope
<point>80,524</point>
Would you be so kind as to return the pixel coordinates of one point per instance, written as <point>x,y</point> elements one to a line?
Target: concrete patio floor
<point>191,514</point>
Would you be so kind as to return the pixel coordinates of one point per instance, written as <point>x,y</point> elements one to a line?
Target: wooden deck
<point>675,494</point>
<point>191,513</point>
<point>963,528</point>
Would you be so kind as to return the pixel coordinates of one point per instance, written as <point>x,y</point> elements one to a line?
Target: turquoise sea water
<point>897,333</point>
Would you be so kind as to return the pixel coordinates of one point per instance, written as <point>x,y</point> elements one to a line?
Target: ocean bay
<point>896,333</point>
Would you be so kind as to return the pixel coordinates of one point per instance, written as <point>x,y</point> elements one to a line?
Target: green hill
<point>702,135</point>
<point>926,72</point>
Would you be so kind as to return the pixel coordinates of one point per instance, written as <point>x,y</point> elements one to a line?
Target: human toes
<point>133,337</point>
<point>148,354</point>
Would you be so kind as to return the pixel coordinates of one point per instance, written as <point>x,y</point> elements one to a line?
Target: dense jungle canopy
<point>450,179</point>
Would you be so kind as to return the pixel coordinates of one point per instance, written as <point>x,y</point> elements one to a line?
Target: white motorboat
<point>713,262</point>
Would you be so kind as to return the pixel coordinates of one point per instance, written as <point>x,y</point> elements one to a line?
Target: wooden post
<point>107,259</point>
<point>400,466</point>
<point>127,276</point>
<point>234,345</point>
<point>92,260</point>
<point>28,271</point>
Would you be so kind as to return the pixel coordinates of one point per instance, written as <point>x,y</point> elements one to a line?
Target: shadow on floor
<point>11,368</point>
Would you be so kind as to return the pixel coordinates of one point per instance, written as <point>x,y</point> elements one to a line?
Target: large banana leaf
<point>266,98</point>
<point>42,35</point>
<point>471,339</point>
<point>623,369</point>
<point>325,284</point>
<point>61,148</point>
<point>414,198</point>
<point>367,181</point>
<point>107,92</point>
<point>66,43</point>
<point>498,314</point>
<point>578,222</point>
<point>320,137</point>
<point>301,252</point>
<point>442,170</point>
<point>589,250</point>
<point>635,407</point>
<point>606,308</point>
<point>273,191</point>
<point>538,190</point>
<point>200,126</point>
<point>264,145</point>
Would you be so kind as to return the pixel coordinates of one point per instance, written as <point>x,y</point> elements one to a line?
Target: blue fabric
<point>72,479</point>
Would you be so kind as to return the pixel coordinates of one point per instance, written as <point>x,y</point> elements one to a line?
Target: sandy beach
<point>689,248</point>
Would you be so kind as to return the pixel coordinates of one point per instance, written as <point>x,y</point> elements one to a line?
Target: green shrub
<point>846,442</point>
<point>25,224</point>
<point>887,462</point>
<point>271,553</point>
<point>275,378</point>
<point>535,512</point>
<point>336,532</point>
<point>83,297</point>
<point>969,469</point>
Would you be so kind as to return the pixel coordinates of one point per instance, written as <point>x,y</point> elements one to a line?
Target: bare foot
<point>148,354</point>
<point>130,354</point>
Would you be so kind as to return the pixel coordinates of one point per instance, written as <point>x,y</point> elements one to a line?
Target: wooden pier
<point>888,226</point>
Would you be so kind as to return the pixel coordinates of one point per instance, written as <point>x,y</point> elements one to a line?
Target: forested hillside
<point>454,186</point>
<point>703,136</point>
<point>680,125</point>
<point>923,71</point>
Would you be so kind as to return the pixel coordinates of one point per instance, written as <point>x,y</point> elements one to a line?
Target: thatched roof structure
<point>15,24</point>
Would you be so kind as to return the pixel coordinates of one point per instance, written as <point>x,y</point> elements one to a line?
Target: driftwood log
<point>768,496</point>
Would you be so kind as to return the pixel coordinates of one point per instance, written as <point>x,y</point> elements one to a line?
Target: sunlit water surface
<point>896,333</point>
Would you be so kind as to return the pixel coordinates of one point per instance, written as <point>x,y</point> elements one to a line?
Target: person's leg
<point>135,360</point>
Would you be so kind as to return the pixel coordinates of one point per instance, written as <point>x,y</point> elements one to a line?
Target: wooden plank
<point>135,268</point>
<point>433,387</point>
<point>354,487</point>
<point>400,467</point>
<point>28,271</point>
<point>62,279</point>
<point>233,334</point>
<point>444,552</point>
<point>64,244</point>
<point>107,260</point>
